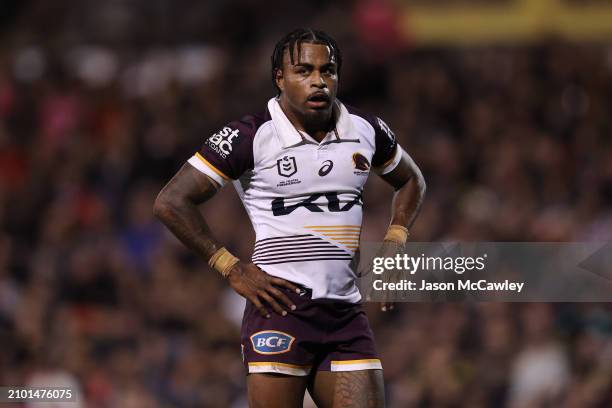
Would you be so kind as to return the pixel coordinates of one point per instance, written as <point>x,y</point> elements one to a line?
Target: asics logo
<point>327,166</point>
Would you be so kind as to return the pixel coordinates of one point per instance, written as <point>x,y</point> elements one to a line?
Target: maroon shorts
<point>320,334</point>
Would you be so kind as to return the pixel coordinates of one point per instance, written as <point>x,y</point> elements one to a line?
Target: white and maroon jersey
<point>303,197</point>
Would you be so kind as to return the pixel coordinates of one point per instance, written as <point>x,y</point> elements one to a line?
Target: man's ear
<point>279,79</point>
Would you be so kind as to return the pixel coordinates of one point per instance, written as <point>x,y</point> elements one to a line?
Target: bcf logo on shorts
<point>271,342</point>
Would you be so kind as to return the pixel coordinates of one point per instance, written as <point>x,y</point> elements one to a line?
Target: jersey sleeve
<point>388,153</point>
<point>228,153</point>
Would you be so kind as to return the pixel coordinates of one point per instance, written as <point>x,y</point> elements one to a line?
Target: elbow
<point>421,185</point>
<point>419,180</point>
<point>162,206</point>
<point>416,185</point>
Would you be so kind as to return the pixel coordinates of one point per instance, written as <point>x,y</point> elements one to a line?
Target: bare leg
<point>348,389</point>
<point>276,391</point>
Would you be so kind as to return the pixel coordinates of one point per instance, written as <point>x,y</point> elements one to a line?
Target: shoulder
<point>236,137</point>
<point>227,153</point>
<point>383,137</point>
<point>360,115</point>
<point>379,127</point>
<point>248,125</point>
<point>252,131</point>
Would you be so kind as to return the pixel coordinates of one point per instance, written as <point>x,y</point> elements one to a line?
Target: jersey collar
<point>290,136</point>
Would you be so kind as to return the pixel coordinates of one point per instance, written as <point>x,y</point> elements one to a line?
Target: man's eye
<point>329,71</point>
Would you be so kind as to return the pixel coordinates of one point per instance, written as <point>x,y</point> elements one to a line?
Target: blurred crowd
<point>514,143</point>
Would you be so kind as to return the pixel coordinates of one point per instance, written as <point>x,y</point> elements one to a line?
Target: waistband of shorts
<point>306,295</point>
<point>305,292</point>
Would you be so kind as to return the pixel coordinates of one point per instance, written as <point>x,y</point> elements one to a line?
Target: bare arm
<point>177,207</point>
<point>409,186</point>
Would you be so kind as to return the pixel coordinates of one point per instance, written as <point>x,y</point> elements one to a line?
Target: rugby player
<point>299,168</point>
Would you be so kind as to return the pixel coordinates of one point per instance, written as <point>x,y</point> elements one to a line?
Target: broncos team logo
<point>360,162</point>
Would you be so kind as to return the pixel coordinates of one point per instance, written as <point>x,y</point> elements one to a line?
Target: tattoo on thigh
<point>357,389</point>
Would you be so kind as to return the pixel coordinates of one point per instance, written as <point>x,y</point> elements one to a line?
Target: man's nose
<point>318,81</point>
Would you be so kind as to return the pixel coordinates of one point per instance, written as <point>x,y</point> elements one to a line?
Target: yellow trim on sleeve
<point>388,162</point>
<point>275,364</point>
<point>343,235</point>
<point>213,168</point>
<point>368,360</point>
<point>332,226</point>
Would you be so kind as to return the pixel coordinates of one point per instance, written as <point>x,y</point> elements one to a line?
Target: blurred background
<point>504,104</point>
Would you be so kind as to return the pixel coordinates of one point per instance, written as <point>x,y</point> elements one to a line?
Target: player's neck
<point>319,131</point>
<point>315,127</point>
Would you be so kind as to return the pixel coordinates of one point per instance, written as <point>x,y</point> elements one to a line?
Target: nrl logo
<point>286,166</point>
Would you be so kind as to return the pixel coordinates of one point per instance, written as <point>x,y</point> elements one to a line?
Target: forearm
<point>183,218</point>
<point>407,201</point>
<point>177,207</point>
<point>409,185</point>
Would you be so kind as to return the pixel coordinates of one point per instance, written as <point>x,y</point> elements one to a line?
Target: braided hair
<point>296,38</point>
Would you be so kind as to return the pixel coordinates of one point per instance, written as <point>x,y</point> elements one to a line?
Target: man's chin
<point>318,115</point>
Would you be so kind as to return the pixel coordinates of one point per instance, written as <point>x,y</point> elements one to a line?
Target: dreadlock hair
<point>297,37</point>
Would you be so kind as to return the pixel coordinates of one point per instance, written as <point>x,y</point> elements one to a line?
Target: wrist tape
<point>223,261</point>
<point>397,234</point>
